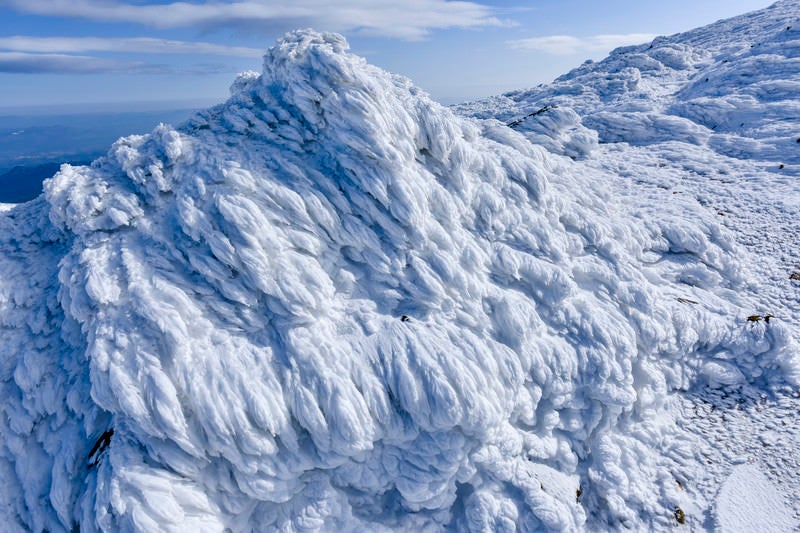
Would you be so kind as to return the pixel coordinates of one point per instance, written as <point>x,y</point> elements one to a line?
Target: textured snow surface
<point>709,118</point>
<point>331,303</point>
<point>731,87</point>
<point>748,501</point>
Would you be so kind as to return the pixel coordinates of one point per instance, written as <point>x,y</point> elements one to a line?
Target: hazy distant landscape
<point>32,146</point>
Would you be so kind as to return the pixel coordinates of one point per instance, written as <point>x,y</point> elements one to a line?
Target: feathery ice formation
<point>332,303</point>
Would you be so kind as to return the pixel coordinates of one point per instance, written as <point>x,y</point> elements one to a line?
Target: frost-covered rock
<point>331,303</point>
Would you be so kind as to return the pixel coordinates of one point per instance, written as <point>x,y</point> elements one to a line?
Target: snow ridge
<point>731,85</point>
<point>332,303</point>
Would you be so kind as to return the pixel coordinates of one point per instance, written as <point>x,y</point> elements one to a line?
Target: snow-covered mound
<point>330,303</point>
<point>732,85</point>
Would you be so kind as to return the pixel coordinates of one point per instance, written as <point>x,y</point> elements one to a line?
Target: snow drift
<point>332,303</point>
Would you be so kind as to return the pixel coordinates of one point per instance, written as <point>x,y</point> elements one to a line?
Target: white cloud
<point>410,19</point>
<point>568,44</point>
<point>27,63</point>
<point>24,63</point>
<point>147,45</point>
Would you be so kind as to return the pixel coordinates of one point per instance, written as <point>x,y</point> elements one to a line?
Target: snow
<point>714,125</point>
<point>748,501</point>
<point>331,303</point>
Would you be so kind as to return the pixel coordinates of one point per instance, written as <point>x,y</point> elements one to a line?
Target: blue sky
<point>108,52</point>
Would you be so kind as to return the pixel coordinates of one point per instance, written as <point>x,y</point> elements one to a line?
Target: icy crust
<point>731,86</point>
<point>330,303</point>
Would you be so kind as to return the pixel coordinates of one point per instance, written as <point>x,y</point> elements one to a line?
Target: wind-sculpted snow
<point>330,303</point>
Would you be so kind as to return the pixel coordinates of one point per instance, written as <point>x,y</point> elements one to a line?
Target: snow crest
<point>731,86</point>
<point>332,303</point>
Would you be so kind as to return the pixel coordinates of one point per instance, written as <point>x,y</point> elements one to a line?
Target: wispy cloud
<point>412,19</point>
<point>567,44</point>
<point>24,63</point>
<point>147,45</point>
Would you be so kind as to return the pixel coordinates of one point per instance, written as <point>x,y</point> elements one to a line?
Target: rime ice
<point>331,303</point>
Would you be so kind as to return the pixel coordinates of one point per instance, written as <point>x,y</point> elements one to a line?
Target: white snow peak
<point>330,303</point>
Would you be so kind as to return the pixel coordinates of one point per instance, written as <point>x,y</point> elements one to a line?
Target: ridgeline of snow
<point>331,303</point>
<point>731,86</point>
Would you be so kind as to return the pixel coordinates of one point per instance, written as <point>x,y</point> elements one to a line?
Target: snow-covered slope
<point>332,303</point>
<point>731,86</point>
<point>711,116</point>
